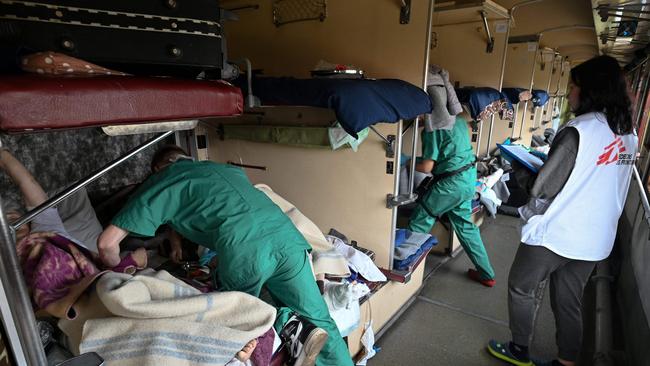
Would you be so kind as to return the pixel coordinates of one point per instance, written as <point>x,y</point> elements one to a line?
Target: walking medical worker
<point>576,202</point>
<point>449,155</point>
<point>216,206</point>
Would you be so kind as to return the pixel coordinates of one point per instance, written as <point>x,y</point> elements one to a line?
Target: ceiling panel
<point>550,14</point>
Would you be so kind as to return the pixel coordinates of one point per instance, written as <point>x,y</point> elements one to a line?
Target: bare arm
<point>108,244</point>
<point>425,166</point>
<point>32,192</point>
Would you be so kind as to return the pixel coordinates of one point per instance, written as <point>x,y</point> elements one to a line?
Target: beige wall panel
<point>461,50</point>
<point>335,189</point>
<point>384,304</point>
<point>365,33</point>
<point>519,65</point>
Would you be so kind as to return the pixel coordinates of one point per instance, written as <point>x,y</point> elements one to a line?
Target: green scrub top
<point>450,149</point>
<point>213,205</point>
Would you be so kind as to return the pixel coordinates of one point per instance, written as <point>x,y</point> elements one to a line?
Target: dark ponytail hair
<point>603,89</point>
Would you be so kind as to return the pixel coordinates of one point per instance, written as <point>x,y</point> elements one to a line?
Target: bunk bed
<point>31,103</point>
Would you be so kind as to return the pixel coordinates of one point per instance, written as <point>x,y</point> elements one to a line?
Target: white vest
<point>581,222</point>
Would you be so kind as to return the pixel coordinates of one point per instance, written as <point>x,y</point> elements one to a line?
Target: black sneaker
<point>303,340</point>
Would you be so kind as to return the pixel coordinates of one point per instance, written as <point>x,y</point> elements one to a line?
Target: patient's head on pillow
<point>167,155</point>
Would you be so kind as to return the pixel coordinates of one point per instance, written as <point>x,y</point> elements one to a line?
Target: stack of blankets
<point>409,246</point>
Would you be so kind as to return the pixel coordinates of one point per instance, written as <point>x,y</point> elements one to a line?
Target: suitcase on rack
<point>150,37</point>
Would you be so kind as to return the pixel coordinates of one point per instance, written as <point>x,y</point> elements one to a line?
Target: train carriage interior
<point>331,183</point>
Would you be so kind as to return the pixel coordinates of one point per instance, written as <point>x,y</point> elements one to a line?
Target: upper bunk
<point>30,103</point>
<point>356,103</point>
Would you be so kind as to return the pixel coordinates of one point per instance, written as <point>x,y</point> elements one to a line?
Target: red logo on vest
<point>611,152</point>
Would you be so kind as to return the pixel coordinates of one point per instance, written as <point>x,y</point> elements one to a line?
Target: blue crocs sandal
<point>502,352</point>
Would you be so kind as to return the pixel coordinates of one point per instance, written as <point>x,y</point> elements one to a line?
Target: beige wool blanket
<point>325,258</point>
<point>153,318</point>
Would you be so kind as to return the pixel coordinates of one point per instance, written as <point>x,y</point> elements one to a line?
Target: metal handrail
<point>29,216</point>
<point>644,197</point>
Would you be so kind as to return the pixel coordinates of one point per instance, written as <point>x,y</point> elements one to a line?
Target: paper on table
<point>522,155</point>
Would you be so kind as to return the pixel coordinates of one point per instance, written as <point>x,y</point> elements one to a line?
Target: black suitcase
<point>152,37</point>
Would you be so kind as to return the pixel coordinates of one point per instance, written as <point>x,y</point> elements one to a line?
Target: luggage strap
<point>35,11</point>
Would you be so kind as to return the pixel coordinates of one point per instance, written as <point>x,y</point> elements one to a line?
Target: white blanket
<point>157,319</point>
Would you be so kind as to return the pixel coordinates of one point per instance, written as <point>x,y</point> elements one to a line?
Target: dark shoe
<point>304,341</point>
<point>502,352</point>
<point>474,275</point>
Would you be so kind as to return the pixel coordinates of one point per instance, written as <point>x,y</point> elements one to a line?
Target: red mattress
<point>30,102</point>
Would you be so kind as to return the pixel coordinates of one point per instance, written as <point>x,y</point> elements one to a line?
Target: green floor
<point>453,317</point>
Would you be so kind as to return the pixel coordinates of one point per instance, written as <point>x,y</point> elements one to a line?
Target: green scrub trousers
<point>451,196</point>
<point>292,285</point>
<point>215,205</point>
<point>451,150</point>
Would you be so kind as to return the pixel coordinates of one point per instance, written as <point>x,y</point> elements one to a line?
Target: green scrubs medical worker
<point>449,156</point>
<point>216,206</point>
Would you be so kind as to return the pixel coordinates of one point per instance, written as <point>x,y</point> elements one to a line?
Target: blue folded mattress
<point>481,100</point>
<point>409,246</point>
<point>357,103</point>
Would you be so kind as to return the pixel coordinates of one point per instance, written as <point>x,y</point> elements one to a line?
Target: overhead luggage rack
<point>463,12</point>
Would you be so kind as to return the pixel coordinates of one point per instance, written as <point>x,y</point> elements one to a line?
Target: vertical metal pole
<point>532,80</point>
<point>18,303</point>
<point>398,150</point>
<point>413,152</point>
<point>398,142</point>
<point>514,120</point>
<point>558,99</point>
<point>501,76</point>
<point>425,79</point>
<point>478,140</point>
<point>548,89</point>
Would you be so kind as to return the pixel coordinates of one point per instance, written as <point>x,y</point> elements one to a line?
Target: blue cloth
<point>357,103</point>
<point>512,94</point>
<point>478,99</point>
<point>402,238</point>
<point>540,98</point>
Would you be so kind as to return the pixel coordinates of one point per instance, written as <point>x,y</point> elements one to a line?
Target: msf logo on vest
<point>615,153</point>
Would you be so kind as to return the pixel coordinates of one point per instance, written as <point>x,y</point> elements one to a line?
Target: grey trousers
<point>532,267</point>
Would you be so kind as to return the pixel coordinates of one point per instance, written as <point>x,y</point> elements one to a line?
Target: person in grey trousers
<point>571,219</point>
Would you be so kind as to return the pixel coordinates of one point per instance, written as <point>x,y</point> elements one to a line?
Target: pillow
<point>53,63</point>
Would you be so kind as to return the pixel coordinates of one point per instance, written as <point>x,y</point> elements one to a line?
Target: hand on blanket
<point>246,352</point>
<point>132,262</point>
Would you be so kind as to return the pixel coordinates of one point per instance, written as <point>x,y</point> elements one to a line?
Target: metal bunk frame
<point>15,305</point>
<point>511,17</point>
<point>395,200</point>
<point>532,77</point>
